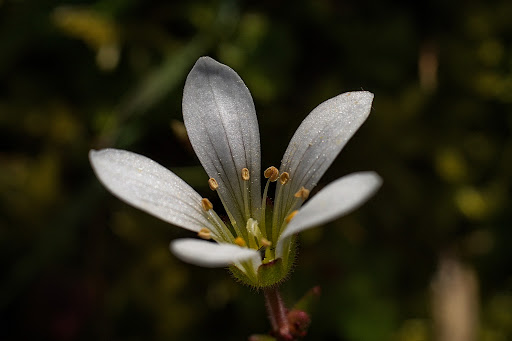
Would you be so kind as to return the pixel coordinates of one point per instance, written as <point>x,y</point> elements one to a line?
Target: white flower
<point>221,122</point>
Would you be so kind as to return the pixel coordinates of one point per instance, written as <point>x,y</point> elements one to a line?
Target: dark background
<point>430,252</point>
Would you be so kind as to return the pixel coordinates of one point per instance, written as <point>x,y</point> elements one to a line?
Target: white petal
<point>145,184</point>
<point>338,198</point>
<point>222,126</point>
<point>211,255</point>
<point>318,141</point>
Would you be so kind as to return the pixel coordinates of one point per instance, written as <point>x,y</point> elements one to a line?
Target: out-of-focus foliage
<point>78,264</point>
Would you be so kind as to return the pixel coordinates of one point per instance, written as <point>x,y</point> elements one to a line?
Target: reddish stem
<point>277,313</point>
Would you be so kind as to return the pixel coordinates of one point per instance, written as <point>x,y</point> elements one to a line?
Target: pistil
<point>254,233</point>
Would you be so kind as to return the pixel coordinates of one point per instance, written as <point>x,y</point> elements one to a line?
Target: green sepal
<point>271,273</point>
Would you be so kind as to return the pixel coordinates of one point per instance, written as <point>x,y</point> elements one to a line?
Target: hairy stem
<point>277,313</point>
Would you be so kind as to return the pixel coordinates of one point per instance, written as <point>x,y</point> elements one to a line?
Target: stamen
<point>221,231</point>
<point>245,174</point>
<point>207,205</point>
<point>205,233</point>
<point>290,216</point>
<point>265,242</point>
<point>246,197</point>
<point>277,215</point>
<point>284,178</point>
<point>231,219</point>
<point>240,241</point>
<point>213,184</point>
<point>271,173</point>
<point>302,193</point>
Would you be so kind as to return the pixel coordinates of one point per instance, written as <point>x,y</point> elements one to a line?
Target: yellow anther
<point>302,193</point>
<point>207,204</point>
<point>271,173</point>
<point>290,216</point>
<point>245,174</point>
<point>240,241</point>
<point>213,184</point>
<point>265,242</point>
<point>284,178</point>
<point>205,233</point>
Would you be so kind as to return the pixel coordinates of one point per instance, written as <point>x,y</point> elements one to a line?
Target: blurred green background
<point>428,257</point>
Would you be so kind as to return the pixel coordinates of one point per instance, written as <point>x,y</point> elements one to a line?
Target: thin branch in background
<point>455,301</point>
<point>428,63</point>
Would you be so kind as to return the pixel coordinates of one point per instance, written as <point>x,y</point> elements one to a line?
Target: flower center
<point>261,232</point>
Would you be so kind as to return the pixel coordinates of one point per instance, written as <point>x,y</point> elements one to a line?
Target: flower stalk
<point>277,314</point>
<point>287,324</point>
